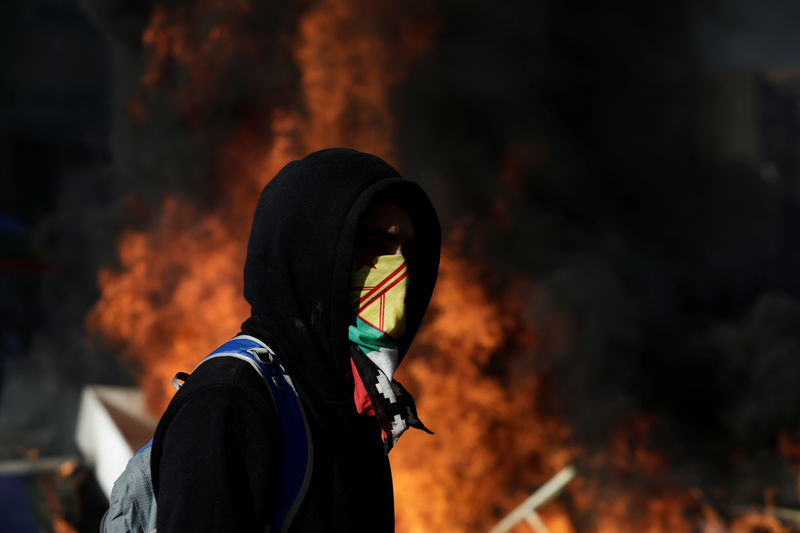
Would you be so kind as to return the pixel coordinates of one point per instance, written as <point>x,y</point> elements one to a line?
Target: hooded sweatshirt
<point>216,447</point>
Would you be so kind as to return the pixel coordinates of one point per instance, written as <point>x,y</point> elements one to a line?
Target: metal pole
<point>535,521</point>
<point>541,496</point>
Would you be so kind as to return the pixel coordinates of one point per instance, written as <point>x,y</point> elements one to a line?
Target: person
<point>327,230</point>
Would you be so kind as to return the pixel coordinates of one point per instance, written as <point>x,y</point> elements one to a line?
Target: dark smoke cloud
<point>165,138</point>
<point>55,182</point>
<point>125,149</point>
<point>595,149</point>
<point>746,35</point>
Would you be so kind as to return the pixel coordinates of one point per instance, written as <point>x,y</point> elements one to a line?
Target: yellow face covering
<point>378,295</point>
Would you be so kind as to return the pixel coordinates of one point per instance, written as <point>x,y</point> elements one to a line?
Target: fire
<point>53,506</point>
<point>62,526</point>
<point>67,468</point>
<point>177,289</point>
<point>176,292</point>
<point>758,522</point>
<point>478,419</point>
<point>348,68</point>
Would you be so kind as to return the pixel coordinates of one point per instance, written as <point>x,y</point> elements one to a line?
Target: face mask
<point>378,298</point>
<point>378,295</point>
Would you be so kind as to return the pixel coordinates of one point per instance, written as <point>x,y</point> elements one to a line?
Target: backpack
<point>132,506</point>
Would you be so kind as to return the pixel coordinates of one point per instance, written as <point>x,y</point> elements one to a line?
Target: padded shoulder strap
<point>294,467</point>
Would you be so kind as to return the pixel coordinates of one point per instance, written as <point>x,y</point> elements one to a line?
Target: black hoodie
<point>214,452</point>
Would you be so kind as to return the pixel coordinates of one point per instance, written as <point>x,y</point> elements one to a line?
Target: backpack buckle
<point>259,354</point>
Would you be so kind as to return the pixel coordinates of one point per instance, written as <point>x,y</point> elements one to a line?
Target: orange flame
<point>62,526</point>
<point>178,288</point>
<point>179,292</point>
<point>489,442</point>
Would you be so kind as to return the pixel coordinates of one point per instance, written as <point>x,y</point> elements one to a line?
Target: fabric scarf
<point>378,299</point>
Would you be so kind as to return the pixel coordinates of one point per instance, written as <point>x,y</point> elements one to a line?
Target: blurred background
<point>619,187</point>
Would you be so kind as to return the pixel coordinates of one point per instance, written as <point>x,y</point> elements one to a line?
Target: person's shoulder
<point>224,400</point>
<point>225,376</point>
<point>219,371</point>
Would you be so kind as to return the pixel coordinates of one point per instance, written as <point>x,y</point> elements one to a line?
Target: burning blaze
<point>490,442</point>
<point>351,53</point>
<point>178,289</point>
<point>176,292</point>
<point>179,292</point>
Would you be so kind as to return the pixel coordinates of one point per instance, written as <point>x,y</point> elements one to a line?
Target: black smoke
<point>648,184</point>
<point>58,219</point>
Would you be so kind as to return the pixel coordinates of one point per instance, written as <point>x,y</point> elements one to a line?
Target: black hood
<point>299,261</point>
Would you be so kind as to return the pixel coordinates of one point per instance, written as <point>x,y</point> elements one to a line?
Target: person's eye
<point>369,247</point>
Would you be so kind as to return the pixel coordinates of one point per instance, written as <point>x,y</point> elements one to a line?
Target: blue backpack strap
<point>294,467</point>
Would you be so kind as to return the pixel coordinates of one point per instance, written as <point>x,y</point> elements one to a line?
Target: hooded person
<point>341,264</point>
